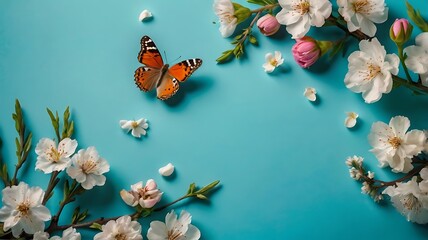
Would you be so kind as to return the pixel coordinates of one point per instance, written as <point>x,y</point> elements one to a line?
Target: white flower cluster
<point>396,147</point>
<point>22,205</point>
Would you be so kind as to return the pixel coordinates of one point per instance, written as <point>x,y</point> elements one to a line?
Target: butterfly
<point>156,74</point>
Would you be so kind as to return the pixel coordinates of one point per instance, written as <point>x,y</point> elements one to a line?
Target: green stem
<point>267,7</point>
<point>53,181</point>
<point>402,60</point>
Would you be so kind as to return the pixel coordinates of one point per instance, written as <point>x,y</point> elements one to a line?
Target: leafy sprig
<point>23,141</point>
<point>416,17</point>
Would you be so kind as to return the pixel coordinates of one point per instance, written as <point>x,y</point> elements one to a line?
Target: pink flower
<point>401,31</point>
<point>268,25</point>
<point>146,196</point>
<point>306,51</point>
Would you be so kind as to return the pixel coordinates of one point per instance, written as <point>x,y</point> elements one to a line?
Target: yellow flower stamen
<point>174,234</point>
<point>362,6</point>
<point>88,166</point>
<point>395,142</point>
<point>120,236</point>
<point>273,62</point>
<point>54,154</point>
<point>134,124</point>
<point>410,202</point>
<point>373,71</point>
<point>24,208</point>
<point>302,7</point>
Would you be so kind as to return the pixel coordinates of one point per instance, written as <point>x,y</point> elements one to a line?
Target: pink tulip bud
<point>401,31</point>
<point>268,25</point>
<point>306,51</point>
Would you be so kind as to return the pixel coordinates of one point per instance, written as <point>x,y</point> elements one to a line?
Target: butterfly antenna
<point>177,58</point>
<point>166,57</point>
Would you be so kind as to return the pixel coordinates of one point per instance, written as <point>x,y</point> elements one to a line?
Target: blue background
<point>279,157</point>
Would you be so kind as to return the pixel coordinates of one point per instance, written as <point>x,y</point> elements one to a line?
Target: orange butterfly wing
<point>182,70</point>
<point>147,77</point>
<point>149,54</point>
<point>167,88</point>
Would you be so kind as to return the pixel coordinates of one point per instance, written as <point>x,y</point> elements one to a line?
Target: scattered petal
<point>272,61</point>
<point>166,170</point>
<point>144,15</point>
<point>351,119</point>
<point>137,128</point>
<point>310,93</point>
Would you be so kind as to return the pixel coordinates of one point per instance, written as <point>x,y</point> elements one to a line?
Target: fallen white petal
<point>310,94</point>
<point>166,170</point>
<point>144,15</point>
<point>351,119</point>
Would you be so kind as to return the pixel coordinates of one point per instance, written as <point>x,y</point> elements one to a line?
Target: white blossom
<point>272,61</point>
<point>300,15</point>
<point>137,128</point>
<point>23,210</point>
<point>370,70</point>
<point>174,228</point>
<point>88,168</point>
<point>366,188</point>
<point>370,174</point>
<point>354,161</point>
<point>362,14</point>
<point>225,11</point>
<point>146,196</point>
<point>310,93</point>
<point>166,170</point>
<point>123,228</point>
<point>409,200</point>
<point>393,146</point>
<point>417,57</point>
<point>68,234</point>
<point>355,173</point>
<point>145,14</point>
<point>50,158</point>
<point>351,119</point>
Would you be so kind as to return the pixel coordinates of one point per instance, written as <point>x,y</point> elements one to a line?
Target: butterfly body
<point>156,74</point>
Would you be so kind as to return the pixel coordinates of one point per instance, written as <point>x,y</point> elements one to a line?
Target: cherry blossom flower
<point>88,168</point>
<point>225,11</point>
<point>146,196</point>
<point>123,228</point>
<point>300,15</point>
<point>68,234</point>
<point>417,57</point>
<point>174,228</point>
<point>166,170</point>
<point>50,158</point>
<point>409,200</point>
<point>362,14</point>
<point>137,128</point>
<point>370,70</point>
<point>145,14</point>
<point>23,210</point>
<point>393,146</point>
<point>273,61</point>
<point>351,119</point>
<point>310,93</point>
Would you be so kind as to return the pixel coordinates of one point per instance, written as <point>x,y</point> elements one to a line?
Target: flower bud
<point>400,31</point>
<point>268,25</point>
<point>241,12</point>
<point>307,50</point>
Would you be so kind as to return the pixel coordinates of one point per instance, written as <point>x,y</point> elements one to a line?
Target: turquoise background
<point>279,157</point>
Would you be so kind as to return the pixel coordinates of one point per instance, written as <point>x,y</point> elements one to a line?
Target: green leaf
<point>191,188</point>
<point>66,188</point>
<point>416,17</point>
<point>263,2</point>
<point>253,40</point>
<point>27,144</point>
<point>225,56</point>
<point>96,226</point>
<point>208,187</point>
<point>336,49</point>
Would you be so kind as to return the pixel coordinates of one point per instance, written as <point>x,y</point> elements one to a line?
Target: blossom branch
<point>417,87</point>
<point>4,175</point>
<point>53,181</point>
<point>192,192</point>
